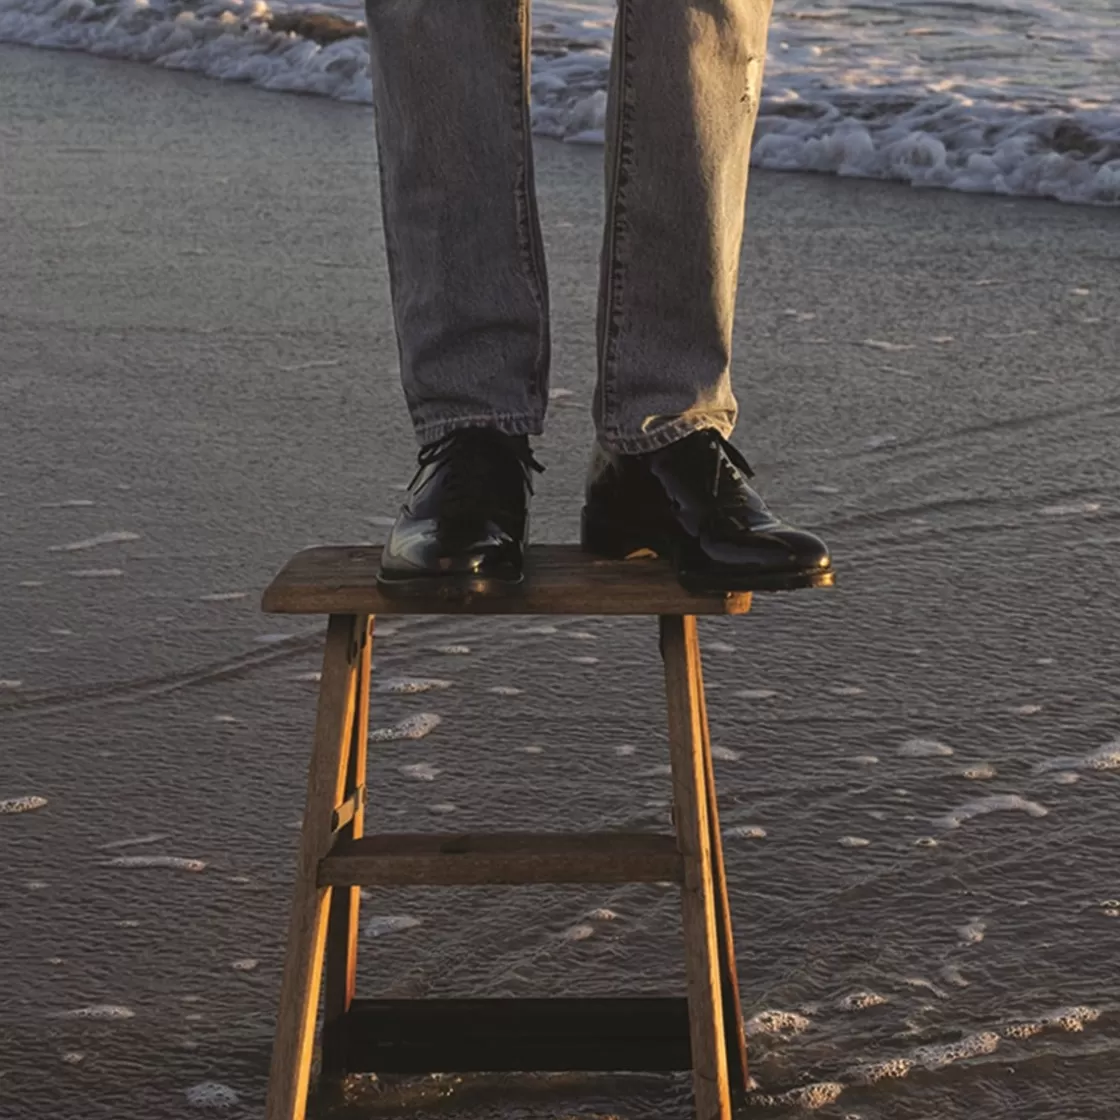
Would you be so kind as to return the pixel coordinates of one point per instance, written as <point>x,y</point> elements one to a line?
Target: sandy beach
<point>198,376</point>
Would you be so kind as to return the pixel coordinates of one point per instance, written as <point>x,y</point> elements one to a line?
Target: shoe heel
<point>607,538</point>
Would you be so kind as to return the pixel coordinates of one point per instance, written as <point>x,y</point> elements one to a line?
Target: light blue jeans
<point>466,260</point>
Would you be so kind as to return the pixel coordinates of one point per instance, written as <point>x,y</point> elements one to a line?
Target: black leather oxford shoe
<point>690,503</point>
<point>463,526</point>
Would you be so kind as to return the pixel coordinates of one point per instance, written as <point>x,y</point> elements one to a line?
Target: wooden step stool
<point>703,1033</point>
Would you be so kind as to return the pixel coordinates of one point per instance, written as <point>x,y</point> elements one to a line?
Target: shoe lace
<point>729,468</point>
<point>472,483</point>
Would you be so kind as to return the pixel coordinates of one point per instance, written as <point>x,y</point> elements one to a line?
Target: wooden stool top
<point>559,579</point>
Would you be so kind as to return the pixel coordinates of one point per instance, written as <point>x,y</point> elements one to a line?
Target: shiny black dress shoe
<point>463,525</point>
<point>690,502</point>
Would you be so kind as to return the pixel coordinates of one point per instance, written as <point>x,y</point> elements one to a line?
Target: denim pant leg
<point>686,78</point>
<point>465,256</point>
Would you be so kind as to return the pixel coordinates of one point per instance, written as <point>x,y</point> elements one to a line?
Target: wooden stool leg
<point>290,1071</point>
<point>345,902</point>
<point>734,1027</point>
<point>342,921</point>
<point>684,693</point>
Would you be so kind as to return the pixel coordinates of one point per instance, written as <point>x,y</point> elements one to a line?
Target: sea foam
<point>858,105</point>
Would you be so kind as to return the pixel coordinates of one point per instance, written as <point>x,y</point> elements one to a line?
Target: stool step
<point>643,1033</point>
<point>426,859</point>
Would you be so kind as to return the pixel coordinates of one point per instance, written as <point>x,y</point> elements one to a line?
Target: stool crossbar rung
<point>701,1031</point>
<point>426,859</point>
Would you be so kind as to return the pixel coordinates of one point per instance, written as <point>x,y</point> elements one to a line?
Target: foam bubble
<point>10,684</point>
<point>421,771</point>
<point>410,686</point>
<point>505,690</point>
<point>881,1071</point>
<point>1027,710</point>
<point>117,536</point>
<point>718,647</point>
<point>624,750</point>
<point>97,573</point>
<point>582,635</point>
<point>584,660</point>
<point>410,728</point>
<point>69,503</point>
<point>775,1022</point>
<point>878,443</point>
<point>979,773</point>
<point>809,1097</point>
<point>953,975</point>
<point>925,842</point>
<point>559,394</point>
<point>1103,758</point>
<point>452,650</point>
<point>381,521</point>
<point>854,842</point>
<point>36,885</point>
<point>866,759</point>
<point>532,748</point>
<point>381,925</point>
<point>746,832</point>
<point>28,804</point>
<point>223,718</point>
<point>847,690</point>
<point>136,841</point>
<point>172,863</point>
<point>544,628</point>
<point>579,932</point>
<point>602,914</point>
<point>925,748</point>
<point>98,1011</point>
<point>312,677</point>
<point>212,1094</point>
<point>726,754</point>
<point>1069,509</point>
<point>223,596</point>
<point>860,1001</point>
<point>972,932</point>
<point>1066,778</point>
<point>756,693</point>
<point>246,964</point>
<point>972,1046</point>
<point>73,1057</point>
<point>31,583</point>
<point>444,807</point>
<point>1000,802</point>
<point>1071,1019</point>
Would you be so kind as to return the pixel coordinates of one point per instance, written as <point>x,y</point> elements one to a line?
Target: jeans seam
<point>617,231</point>
<point>528,222</point>
<point>675,430</point>
<point>512,423</point>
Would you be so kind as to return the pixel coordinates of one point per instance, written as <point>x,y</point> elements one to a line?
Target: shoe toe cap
<point>445,549</point>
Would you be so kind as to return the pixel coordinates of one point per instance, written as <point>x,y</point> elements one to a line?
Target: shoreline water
<point>924,111</point>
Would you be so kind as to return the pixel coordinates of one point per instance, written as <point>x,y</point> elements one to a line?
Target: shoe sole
<point>614,543</point>
<point>458,587</point>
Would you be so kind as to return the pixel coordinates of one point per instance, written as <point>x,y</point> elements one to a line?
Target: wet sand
<point>198,378</point>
